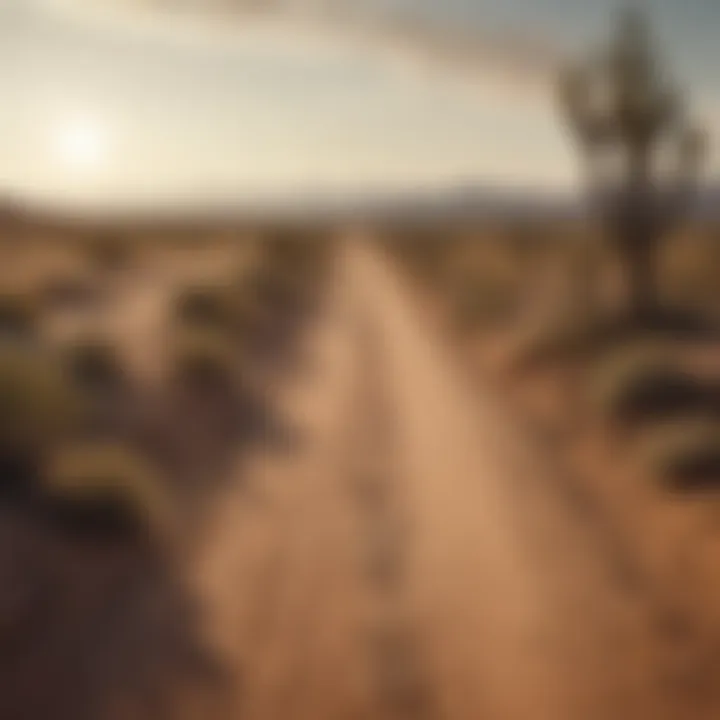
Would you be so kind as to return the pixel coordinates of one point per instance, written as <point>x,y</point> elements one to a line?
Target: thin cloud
<point>519,60</point>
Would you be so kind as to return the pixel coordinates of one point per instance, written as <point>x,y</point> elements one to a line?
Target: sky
<point>142,103</point>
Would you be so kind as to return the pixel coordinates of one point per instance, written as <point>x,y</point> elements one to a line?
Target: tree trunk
<point>640,265</point>
<point>640,236</point>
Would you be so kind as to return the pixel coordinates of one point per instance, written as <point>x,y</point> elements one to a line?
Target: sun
<point>81,143</point>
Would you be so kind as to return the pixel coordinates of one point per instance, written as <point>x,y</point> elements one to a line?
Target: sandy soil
<point>407,554</point>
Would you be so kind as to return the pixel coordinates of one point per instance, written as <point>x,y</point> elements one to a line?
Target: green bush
<point>19,314</point>
<point>107,489</point>
<point>644,383</point>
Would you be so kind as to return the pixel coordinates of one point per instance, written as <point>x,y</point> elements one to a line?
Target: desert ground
<point>366,501</point>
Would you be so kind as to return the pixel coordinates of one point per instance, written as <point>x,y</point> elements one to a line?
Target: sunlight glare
<point>81,143</point>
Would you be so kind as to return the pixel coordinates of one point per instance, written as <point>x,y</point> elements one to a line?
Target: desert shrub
<point>252,309</point>
<point>564,336</point>
<point>68,289</point>
<point>274,287</point>
<point>205,359</point>
<point>246,261</point>
<point>280,246</point>
<point>690,269</point>
<point>106,489</point>
<point>208,307</point>
<point>425,250</point>
<point>37,409</point>
<point>685,456</point>
<point>247,311</point>
<point>489,259</point>
<point>109,252</point>
<point>576,332</point>
<point>289,267</point>
<point>18,314</point>
<point>93,362</point>
<point>290,247</point>
<point>643,383</point>
<point>482,303</point>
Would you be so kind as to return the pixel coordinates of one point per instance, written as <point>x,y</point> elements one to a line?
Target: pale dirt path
<point>279,574</point>
<point>522,614</point>
<point>410,558</point>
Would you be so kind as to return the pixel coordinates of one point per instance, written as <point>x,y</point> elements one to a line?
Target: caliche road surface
<point>408,554</point>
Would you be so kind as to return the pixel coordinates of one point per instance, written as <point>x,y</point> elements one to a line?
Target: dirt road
<point>407,555</point>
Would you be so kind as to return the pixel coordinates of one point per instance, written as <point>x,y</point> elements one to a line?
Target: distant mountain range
<point>468,203</point>
<point>465,202</point>
<point>475,202</point>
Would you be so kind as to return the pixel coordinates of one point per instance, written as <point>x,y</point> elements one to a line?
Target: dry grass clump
<point>423,250</point>
<point>205,359</point>
<point>290,271</point>
<point>283,273</point>
<point>685,456</point>
<point>206,306</point>
<point>109,252</point>
<point>106,489</point>
<point>36,401</point>
<point>690,267</point>
<point>68,288</point>
<point>644,383</point>
<point>563,337</point>
<point>38,408</point>
<point>481,306</point>
<point>93,362</point>
<point>19,314</point>
<point>274,287</point>
<point>292,247</point>
<point>224,309</point>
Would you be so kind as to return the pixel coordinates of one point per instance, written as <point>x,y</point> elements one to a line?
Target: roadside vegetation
<point>605,335</point>
<point>133,376</point>
<point>76,431</point>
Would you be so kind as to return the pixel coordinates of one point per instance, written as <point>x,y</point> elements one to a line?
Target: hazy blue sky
<point>136,102</point>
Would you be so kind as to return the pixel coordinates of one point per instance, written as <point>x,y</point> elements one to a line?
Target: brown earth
<point>408,553</point>
<point>404,550</point>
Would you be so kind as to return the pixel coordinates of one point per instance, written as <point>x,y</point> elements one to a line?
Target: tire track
<point>399,683</point>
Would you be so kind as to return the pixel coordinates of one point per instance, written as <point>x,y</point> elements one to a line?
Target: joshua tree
<point>642,157</point>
